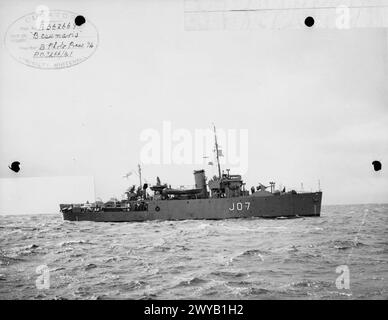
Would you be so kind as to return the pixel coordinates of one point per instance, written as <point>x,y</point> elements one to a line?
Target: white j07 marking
<point>239,206</point>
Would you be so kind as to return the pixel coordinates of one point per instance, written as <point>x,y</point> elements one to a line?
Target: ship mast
<point>139,170</point>
<point>216,145</point>
<point>141,186</point>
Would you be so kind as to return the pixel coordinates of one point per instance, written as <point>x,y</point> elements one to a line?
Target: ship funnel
<point>200,182</point>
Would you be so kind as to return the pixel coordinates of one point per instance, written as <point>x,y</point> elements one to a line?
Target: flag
<point>220,154</point>
<point>127,175</point>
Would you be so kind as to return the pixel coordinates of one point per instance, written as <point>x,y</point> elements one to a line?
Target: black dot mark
<point>376,165</point>
<point>79,20</point>
<point>309,21</point>
<point>15,166</point>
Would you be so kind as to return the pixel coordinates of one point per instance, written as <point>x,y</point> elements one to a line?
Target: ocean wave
<point>347,244</point>
<point>195,281</point>
<point>6,260</point>
<point>90,266</point>
<point>73,242</point>
<point>227,259</point>
<point>229,274</point>
<point>253,252</point>
<point>245,291</point>
<point>311,284</point>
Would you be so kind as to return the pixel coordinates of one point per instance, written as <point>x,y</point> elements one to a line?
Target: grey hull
<point>286,205</point>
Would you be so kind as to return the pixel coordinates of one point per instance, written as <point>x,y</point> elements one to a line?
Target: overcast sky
<point>314,102</point>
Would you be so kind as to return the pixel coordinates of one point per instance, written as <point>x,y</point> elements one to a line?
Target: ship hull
<point>285,205</point>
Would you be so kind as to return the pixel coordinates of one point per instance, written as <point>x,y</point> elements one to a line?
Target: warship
<point>222,197</point>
